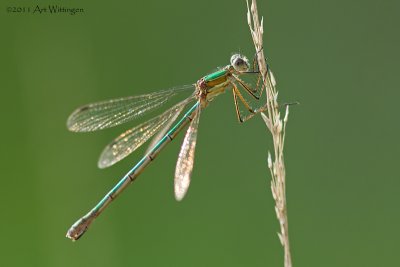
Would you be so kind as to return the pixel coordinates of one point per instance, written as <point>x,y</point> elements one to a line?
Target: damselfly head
<point>240,63</point>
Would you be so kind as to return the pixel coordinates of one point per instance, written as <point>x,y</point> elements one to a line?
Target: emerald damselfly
<point>111,113</point>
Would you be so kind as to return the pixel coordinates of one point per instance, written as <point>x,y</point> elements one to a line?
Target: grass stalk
<point>277,127</point>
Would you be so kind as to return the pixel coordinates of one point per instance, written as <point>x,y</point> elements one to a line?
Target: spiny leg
<point>255,69</point>
<point>238,113</point>
<point>236,95</point>
<point>239,94</point>
<point>255,93</point>
<point>236,106</point>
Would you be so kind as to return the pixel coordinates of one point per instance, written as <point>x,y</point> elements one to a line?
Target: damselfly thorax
<point>217,82</point>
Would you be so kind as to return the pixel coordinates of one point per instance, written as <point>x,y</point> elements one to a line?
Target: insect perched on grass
<point>110,113</point>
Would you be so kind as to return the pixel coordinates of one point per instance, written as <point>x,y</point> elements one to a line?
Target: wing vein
<point>110,113</point>
<point>133,138</point>
<point>184,165</point>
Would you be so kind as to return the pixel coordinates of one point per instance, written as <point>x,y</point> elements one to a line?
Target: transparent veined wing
<point>184,165</point>
<point>133,138</point>
<point>166,128</point>
<point>110,113</point>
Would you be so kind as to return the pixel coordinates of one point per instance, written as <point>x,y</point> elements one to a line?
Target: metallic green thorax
<point>215,75</point>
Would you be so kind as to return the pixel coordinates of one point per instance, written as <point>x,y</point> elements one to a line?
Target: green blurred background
<point>340,59</point>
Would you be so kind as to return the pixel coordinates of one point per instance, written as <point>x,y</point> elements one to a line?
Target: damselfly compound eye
<point>239,63</point>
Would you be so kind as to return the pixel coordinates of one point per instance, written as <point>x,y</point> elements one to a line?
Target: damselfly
<point>110,113</point>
